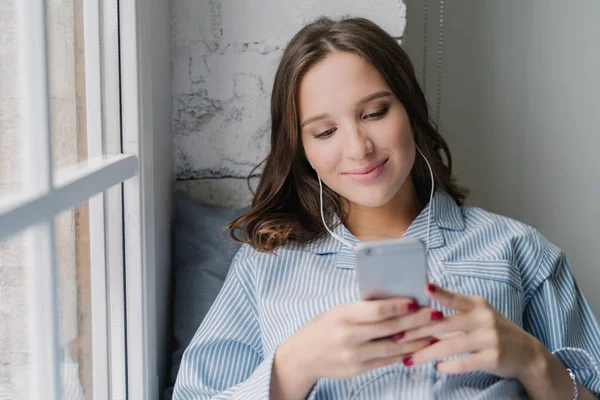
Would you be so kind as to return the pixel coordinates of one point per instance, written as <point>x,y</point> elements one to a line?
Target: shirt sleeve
<point>225,358</point>
<point>560,317</point>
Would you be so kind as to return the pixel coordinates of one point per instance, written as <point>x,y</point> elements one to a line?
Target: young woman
<point>353,150</point>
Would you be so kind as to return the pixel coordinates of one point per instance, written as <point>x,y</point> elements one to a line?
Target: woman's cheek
<point>329,156</point>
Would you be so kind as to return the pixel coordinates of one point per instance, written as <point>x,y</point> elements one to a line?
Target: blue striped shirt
<point>267,298</point>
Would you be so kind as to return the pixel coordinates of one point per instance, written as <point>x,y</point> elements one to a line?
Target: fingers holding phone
<point>395,327</point>
<point>354,338</point>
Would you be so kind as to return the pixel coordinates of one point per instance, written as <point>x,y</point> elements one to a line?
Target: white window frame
<point>130,229</point>
<point>147,124</point>
<point>138,195</point>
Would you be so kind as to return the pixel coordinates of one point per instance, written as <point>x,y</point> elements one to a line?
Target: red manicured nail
<point>435,365</point>
<point>408,361</point>
<point>433,341</point>
<point>398,336</point>
<point>436,315</point>
<point>431,287</point>
<point>413,306</point>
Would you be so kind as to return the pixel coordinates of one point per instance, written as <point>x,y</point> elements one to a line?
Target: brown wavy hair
<point>285,208</point>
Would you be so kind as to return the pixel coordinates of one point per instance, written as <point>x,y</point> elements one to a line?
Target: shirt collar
<point>446,214</point>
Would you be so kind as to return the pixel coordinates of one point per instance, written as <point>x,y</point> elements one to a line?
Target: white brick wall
<point>224,55</point>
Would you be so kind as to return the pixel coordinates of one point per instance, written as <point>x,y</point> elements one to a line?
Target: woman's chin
<point>370,199</point>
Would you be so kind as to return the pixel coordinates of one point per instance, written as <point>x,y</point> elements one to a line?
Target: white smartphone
<point>392,268</point>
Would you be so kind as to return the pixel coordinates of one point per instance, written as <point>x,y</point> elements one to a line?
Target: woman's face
<point>355,132</point>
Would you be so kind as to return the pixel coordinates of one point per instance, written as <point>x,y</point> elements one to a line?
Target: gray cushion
<point>202,254</point>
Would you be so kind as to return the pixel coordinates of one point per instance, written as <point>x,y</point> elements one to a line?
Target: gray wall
<point>224,55</point>
<point>520,110</point>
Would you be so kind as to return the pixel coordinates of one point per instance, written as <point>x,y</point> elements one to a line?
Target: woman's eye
<point>326,134</point>
<point>377,114</point>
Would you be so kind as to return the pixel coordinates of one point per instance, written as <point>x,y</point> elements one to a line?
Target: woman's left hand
<point>496,344</point>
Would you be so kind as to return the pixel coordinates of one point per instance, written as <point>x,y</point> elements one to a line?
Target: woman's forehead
<point>341,79</point>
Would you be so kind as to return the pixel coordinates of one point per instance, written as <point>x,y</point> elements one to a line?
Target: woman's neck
<point>388,221</point>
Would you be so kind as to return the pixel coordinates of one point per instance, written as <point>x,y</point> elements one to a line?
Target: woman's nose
<point>357,144</point>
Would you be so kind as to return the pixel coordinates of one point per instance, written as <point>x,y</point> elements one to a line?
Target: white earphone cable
<point>430,197</point>
<point>323,216</point>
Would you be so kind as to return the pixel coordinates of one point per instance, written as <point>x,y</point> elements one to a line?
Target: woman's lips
<point>366,174</point>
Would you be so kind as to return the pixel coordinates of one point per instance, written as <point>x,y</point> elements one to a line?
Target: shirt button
<point>417,376</point>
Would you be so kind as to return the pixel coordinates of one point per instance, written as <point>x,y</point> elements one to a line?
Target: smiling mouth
<point>366,170</point>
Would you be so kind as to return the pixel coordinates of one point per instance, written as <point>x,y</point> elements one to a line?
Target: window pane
<point>15,347</point>
<point>74,301</point>
<point>76,331</point>
<point>73,298</point>
<point>67,87</point>
<point>67,81</point>
<point>91,327</point>
<point>11,90</point>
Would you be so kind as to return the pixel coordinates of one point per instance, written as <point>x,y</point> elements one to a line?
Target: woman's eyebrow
<point>313,119</point>
<point>373,96</point>
<point>377,95</point>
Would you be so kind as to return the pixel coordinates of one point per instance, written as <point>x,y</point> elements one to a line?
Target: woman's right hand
<point>354,338</point>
